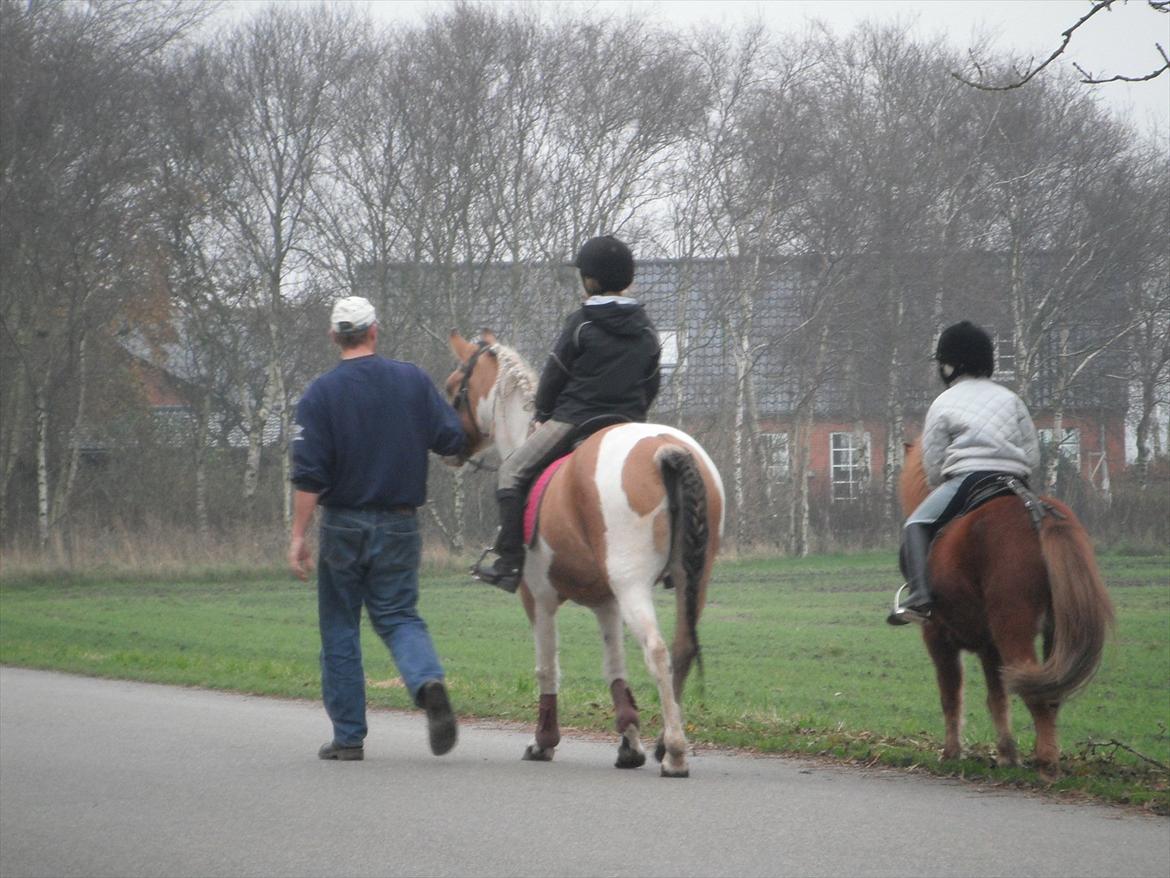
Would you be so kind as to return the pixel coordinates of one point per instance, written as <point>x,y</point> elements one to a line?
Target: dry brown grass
<point>171,551</point>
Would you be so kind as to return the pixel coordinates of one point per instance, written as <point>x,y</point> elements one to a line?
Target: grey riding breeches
<point>547,442</point>
<point>929,510</point>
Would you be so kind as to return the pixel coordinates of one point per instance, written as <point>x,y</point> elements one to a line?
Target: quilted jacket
<point>976,425</point>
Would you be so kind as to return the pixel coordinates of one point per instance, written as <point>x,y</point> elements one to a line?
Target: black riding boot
<point>509,548</point>
<point>915,550</point>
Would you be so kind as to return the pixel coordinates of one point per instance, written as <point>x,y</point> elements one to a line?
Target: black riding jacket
<point>605,363</point>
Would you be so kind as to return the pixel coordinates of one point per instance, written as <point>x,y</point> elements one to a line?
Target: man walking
<point>359,451</point>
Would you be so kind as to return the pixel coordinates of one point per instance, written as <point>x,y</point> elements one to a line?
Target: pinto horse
<point>633,505</point>
<point>998,581</point>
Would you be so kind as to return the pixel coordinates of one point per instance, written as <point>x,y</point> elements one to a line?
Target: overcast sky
<point>1119,41</point>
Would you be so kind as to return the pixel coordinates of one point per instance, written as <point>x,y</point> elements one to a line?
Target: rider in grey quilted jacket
<point>974,426</point>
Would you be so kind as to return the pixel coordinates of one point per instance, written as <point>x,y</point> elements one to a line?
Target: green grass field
<point>797,659</point>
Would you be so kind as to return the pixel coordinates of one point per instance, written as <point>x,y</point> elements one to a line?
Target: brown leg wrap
<point>548,731</point>
<point>624,707</point>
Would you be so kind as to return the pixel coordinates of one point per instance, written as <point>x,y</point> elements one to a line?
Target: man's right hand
<point>300,562</point>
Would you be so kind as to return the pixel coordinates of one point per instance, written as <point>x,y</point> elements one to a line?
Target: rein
<point>1036,506</point>
<point>465,369</point>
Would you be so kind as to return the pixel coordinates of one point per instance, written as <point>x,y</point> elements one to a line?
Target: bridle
<point>462,401</point>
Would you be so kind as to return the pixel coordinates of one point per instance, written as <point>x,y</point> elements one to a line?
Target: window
<point>1070,445</point>
<point>775,451</point>
<point>667,351</point>
<point>1005,357</point>
<point>173,423</point>
<point>848,464</point>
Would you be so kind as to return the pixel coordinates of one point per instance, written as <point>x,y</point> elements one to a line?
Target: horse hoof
<point>659,750</point>
<point>1049,773</point>
<point>1007,754</point>
<point>628,757</point>
<point>532,753</point>
<point>678,772</point>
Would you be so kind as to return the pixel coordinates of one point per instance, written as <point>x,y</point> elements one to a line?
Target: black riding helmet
<point>608,261</point>
<point>967,350</point>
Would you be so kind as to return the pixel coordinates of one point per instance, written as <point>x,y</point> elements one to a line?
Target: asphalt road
<point>101,778</point>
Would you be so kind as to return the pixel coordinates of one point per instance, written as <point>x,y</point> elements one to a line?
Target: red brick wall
<point>157,388</point>
<point>1090,430</point>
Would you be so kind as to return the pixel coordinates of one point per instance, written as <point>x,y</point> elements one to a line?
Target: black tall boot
<point>915,551</point>
<point>509,547</point>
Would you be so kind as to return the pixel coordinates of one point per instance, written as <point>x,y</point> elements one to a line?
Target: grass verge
<point>797,658</point>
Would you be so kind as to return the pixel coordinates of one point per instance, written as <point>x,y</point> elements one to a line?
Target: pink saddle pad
<point>532,507</point>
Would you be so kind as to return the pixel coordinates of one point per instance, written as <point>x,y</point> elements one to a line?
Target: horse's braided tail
<point>687,494</point>
<point>1082,614</point>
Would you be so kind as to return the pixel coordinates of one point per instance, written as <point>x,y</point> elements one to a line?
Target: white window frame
<point>1070,445</point>
<point>777,455</point>
<point>1005,358</point>
<point>668,350</point>
<point>846,478</point>
<point>173,423</point>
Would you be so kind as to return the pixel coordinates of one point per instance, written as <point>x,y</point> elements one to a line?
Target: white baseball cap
<point>352,314</point>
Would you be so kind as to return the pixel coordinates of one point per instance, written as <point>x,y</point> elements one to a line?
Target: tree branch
<point>1157,5</point>
<point>1091,79</point>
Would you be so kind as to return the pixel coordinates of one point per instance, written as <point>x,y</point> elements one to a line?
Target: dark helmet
<point>608,261</point>
<point>967,349</point>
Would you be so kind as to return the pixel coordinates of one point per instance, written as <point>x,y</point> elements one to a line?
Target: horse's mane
<point>515,374</point>
<point>913,487</point>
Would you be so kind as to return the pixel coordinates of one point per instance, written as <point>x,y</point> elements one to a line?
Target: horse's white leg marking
<point>544,626</point>
<point>548,672</point>
<point>613,662</point>
<point>613,667</point>
<point>638,611</point>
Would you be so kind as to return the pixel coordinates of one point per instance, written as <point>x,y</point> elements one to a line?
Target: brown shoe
<point>342,754</point>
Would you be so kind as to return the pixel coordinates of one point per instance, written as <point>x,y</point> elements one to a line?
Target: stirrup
<point>903,615</point>
<point>509,582</point>
<point>476,569</point>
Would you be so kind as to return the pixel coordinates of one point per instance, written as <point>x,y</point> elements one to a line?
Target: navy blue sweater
<point>363,430</point>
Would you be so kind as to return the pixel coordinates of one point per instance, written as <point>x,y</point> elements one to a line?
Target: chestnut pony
<point>998,582</point>
<point>635,504</point>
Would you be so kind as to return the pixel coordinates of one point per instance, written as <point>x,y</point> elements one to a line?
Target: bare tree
<point>896,112</point>
<point>626,100</point>
<point>74,184</point>
<point>1146,195</point>
<point>1049,170</point>
<point>284,70</point>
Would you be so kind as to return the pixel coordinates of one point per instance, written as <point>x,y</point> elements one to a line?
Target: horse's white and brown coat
<point>605,540</point>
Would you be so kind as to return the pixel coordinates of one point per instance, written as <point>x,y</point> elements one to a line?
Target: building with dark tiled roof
<point>701,309</point>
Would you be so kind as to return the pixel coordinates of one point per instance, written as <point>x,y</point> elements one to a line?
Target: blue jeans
<point>368,557</point>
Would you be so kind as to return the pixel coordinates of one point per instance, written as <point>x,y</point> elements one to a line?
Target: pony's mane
<point>515,374</point>
<point>913,486</point>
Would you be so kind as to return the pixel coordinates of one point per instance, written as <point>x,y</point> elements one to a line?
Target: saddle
<point>535,495</point>
<point>980,488</point>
